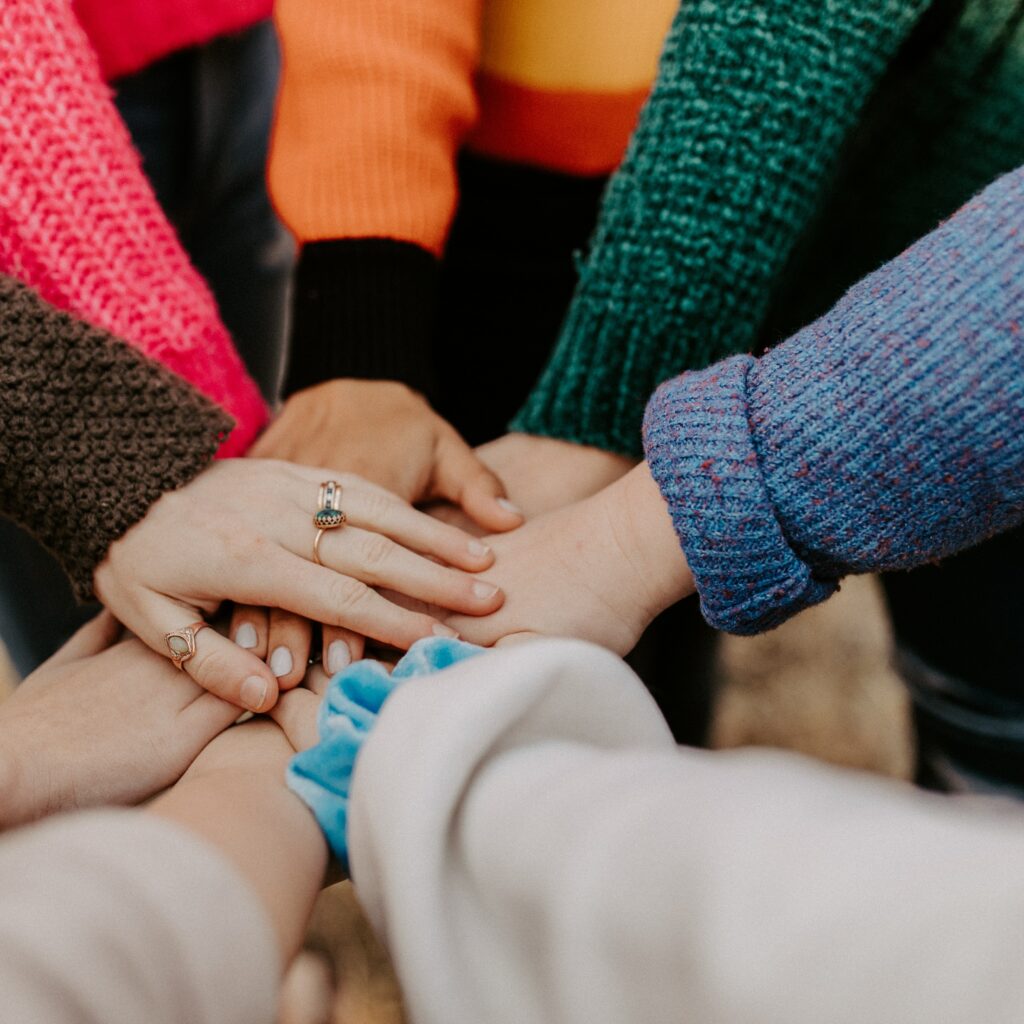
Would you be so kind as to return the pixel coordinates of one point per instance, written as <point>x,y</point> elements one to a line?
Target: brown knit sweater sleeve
<point>91,432</point>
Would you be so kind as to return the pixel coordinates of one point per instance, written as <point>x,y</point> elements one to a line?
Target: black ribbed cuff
<point>365,308</point>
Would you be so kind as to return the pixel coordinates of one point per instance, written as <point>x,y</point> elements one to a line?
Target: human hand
<point>242,530</point>
<point>389,435</point>
<point>100,723</point>
<point>543,473</point>
<point>600,570</point>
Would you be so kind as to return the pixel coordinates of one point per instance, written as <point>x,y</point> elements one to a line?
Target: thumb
<point>461,478</point>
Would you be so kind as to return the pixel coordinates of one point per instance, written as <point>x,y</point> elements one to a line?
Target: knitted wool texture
<point>130,34</point>
<point>885,435</point>
<point>79,221</point>
<point>945,123</point>
<point>754,105</point>
<point>91,432</point>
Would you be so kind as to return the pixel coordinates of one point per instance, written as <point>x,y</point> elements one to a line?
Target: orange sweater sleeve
<point>375,100</point>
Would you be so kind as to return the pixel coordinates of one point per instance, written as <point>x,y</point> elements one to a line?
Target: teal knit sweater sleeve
<point>752,103</point>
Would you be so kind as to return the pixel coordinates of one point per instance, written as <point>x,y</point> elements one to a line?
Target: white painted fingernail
<point>484,591</point>
<point>440,630</point>
<point>339,657</point>
<point>253,692</point>
<point>509,507</point>
<point>246,636</point>
<point>478,548</point>
<point>281,661</point>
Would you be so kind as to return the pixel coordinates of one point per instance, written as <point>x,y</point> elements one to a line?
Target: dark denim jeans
<point>969,740</point>
<point>201,120</point>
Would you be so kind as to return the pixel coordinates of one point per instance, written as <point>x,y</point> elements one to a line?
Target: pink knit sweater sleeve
<point>79,221</point>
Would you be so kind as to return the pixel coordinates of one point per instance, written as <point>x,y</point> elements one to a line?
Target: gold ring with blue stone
<point>329,515</point>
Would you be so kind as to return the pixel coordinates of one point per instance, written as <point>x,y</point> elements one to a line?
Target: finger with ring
<point>181,643</point>
<point>329,516</point>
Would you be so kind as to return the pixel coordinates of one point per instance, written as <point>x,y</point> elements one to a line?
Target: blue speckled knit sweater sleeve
<point>888,434</point>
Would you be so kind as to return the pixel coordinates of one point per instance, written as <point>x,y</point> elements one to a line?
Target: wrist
<point>636,514</point>
<point>16,805</point>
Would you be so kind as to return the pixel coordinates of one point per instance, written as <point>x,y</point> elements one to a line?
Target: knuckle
<point>347,595</point>
<point>375,507</point>
<point>374,550</point>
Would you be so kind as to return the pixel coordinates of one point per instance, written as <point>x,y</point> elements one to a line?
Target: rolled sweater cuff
<point>365,308</point>
<point>702,453</point>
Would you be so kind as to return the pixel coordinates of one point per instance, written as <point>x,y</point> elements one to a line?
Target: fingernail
<point>339,657</point>
<point>484,591</point>
<point>281,661</point>
<point>254,692</point>
<point>440,630</point>
<point>509,507</point>
<point>246,635</point>
<point>478,548</point>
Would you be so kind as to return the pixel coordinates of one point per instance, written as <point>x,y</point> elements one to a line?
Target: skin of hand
<point>389,435</point>
<point>242,530</point>
<point>101,722</point>
<point>234,797</point>
<point>600,570</point>
<point>543,473</point>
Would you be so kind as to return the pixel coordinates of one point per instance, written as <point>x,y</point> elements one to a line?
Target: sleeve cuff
<point>365,308</point>
<point>702,454</point>
<point>85,418</point>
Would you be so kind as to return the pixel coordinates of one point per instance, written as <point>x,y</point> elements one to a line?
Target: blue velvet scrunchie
<point>322,775</point>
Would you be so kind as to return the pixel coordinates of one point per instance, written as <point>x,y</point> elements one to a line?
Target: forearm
<point>262,830</point>
<point>881,437</point>
<point>752,104</point>
<point>638,521</point>
<point>374,102</point>
<point>91,432</point>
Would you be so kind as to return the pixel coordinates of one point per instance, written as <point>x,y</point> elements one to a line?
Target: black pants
<point>960,632</point>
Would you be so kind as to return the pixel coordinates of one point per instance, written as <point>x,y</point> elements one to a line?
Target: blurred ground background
<point>821,685</point>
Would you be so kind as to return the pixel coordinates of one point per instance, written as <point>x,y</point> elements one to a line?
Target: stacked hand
<point>243,531</point>
<point>600,569</point>
<point>101,722</point>
<point>581,566</point>
<point>389,435</point>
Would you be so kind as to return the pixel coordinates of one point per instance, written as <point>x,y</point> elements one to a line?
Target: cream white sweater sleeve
<point>532,847</point>
<point>118,917</point>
